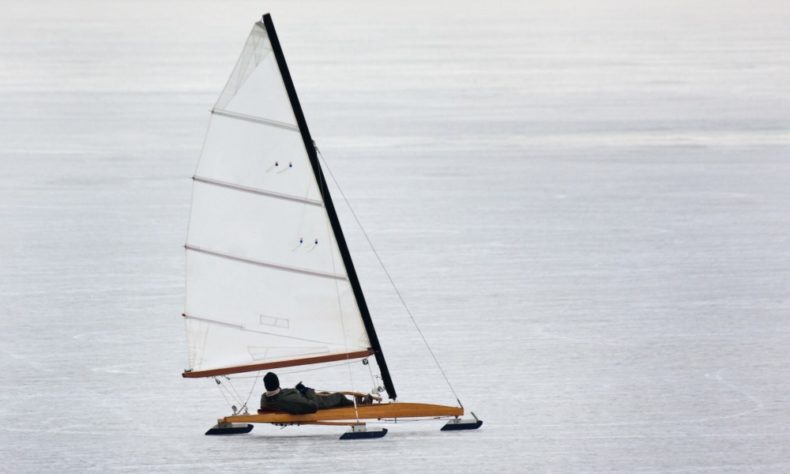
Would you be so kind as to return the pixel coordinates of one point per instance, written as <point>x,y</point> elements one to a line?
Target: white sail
<point>266,281</point>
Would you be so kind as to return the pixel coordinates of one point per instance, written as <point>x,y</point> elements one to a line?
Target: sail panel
<point>239,314</point>
<point>256,295</point>
<point>255,87</point>
<point>257,155</point>
<point>276,230</point>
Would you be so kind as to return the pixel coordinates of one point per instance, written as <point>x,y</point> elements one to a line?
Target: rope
<point>235,394</point>
<point>222,390</point>
<point>389,277</point>
<point>249,395</point>
<point>238,397</point>
<point>373,378</point>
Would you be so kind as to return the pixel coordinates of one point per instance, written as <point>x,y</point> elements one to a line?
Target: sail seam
<point>260,263</point>
<point>252,118</point>
<point>261,192</point>
<point>241,327</point>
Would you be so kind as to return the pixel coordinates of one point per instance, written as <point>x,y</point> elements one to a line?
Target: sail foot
<point>277,364</point>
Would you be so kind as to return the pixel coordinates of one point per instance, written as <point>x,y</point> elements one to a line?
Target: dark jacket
<point>288,400</point>
<point>295,402</point>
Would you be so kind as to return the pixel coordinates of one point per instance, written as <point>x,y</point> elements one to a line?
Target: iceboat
<point>270,281</point>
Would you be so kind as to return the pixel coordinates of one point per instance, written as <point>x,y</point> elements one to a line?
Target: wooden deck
<point>366,412</point>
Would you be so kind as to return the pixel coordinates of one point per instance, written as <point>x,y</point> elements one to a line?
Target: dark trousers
<point>329,400</point>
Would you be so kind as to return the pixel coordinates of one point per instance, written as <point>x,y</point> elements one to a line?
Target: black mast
<point>330,208</point>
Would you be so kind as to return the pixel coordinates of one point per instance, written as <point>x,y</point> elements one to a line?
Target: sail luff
<point>329,206</point>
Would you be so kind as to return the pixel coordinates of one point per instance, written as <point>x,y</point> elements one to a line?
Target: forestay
<point>266,282</point>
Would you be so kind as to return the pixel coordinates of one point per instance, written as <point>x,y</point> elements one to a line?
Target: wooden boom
<point>366,412</point>
<point>277,364</point>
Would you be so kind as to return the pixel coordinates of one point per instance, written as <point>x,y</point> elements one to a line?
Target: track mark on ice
<point>718,377</point>
<point>757,404</point>
<point>589,340</point>
<point>115,369</point>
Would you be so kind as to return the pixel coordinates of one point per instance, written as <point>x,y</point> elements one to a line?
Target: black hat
<point>271,382</point>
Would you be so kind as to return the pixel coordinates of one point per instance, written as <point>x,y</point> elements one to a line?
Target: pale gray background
<point>586,205</point>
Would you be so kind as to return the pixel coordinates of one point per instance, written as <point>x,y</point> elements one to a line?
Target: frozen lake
<point>586,207</point>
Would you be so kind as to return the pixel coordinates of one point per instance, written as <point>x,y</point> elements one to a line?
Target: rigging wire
<point>389,277</point>
<point>340,305</point>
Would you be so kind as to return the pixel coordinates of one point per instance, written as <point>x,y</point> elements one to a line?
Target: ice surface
<point>586,205</point>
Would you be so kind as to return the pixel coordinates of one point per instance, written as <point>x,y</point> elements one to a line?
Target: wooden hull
<point>365,412</point>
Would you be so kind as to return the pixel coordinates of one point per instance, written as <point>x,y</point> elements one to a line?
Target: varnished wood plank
<point>367,412</point>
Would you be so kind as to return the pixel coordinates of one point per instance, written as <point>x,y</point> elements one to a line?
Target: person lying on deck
<point>300,400</point>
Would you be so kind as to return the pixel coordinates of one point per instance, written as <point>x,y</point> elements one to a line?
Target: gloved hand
<point>301,388</point>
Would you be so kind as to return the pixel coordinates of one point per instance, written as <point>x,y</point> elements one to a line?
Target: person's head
<point>271,382</point>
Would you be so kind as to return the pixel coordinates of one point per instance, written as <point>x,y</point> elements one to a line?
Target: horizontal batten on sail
<point>261,192</point>
<point>250,118</point>
<point>213,321</point>
<point>266,264</point>
<point>241,327</point>
<point>277,364</point>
